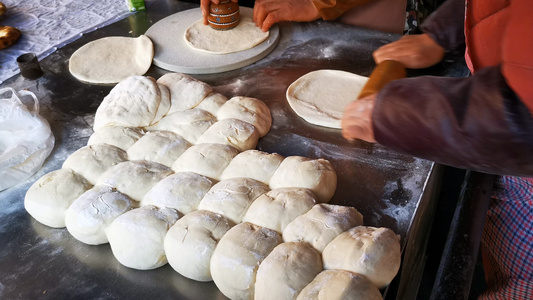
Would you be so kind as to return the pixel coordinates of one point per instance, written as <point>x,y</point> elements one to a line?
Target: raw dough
<point>288,269</point>
<point>232,197</point>
<point>189,124</point>
<point>234,132</point>
<point>205,159</point>
<point>236,258</point>
<point>245,36</point>
<point>121,137</point>
<point>50,196</point>
<point>112,59</point>
<point>340,285</point>
<point>370,251</point>
<point>319,97</point>
<point>137,237</point>
<point>185,91</point>
<point>90,214</point>
<point>212,103</point>
<point>92,161</point>
<point>162,147</point>
<point>251,110</point>
<point>182,191</point>
<point>283,206</point>
<point>190,243</point>
<point>315,174</point>
<point>134,178</point>
<point>254,164</point>
<point>322,224</point>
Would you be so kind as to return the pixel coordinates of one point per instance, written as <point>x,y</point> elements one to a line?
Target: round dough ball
<point>121,137</point>
<point>288,269</point>
<point>232,197</point>
<point>235,261</point>
<point>162,147</point>
<point>190,243</point>
<point>134,178</point>
<point>212,103</point>
<point>321,224</point>
<point>90,214</point>
<point>92,161</point>
<point>234,132</point>
<point>51,195</point>
<point>137,237</point>
<point>251,110</point>
<point>283,206</point>
<point>185,91</point>
<point>370,251</point>
<point>208,160</point>
<point>189,124</point>
<point>340,285</point>
<point>254,164</point>
<point>315,174</point>
<point>182,191</point>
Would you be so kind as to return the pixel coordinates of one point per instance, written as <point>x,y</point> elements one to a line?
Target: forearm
<point>332,9</point>
<point>446,25</point>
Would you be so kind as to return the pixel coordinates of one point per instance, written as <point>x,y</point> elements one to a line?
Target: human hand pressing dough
<point>270,12</point>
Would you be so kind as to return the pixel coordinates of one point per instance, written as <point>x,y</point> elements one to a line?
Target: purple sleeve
<point>446,25</point>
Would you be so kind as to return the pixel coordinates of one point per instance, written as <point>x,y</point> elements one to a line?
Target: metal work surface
<point>386,187</point>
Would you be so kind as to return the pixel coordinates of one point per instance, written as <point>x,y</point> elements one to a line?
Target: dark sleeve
<point>446,25</point>
<point>475,123</point>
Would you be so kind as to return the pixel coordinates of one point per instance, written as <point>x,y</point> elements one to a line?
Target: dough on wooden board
<point>181,191</point>
<point>90,214</point>
<point>234,132</point>
<point>189,124</point>
<point>253,164</point>
<point>185,91</point>
<point>51,195</point>
<point>251,110</point>
<point>112,59</point>
<point>321,224</point>
<point>118,136</point>
<point>319,97</point>
<point>340,285</point>
<point>162,147</point>
<point>288,269</point>
<point>92,161</point>
<point>191,241</point>
<point>208,160</point>
<point>370,251</point>
<point>283,206</point>
<point>235,261</point>
<point>137,236</point>
<point>315,174</point>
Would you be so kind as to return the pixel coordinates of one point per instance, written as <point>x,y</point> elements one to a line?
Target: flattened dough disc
<point>173,54</point>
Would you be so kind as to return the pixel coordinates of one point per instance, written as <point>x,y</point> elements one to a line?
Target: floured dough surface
<point>189,124</point>
<point>233,132</point>
<point>208,160</point>
<point>112,59</point>
<point>254,164</point>
<point>243,37</point>
<point>162,147</point>
<point>319,97</point>
<point>118,136</point>
<point>185,91</point>
<point>251,110</point>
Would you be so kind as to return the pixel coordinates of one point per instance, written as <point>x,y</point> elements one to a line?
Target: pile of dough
<point>251,110</point>
<point>205,159</point>
<point>191,241</point>
<point>253,164</point>
<point>162,147</point>
<point>212,103</point>
<point>118,136</point>
<point>112,59</point>
<point>189,124</point>
<point>185,91</point>
<point>370,251</point>
<point>234,132</point>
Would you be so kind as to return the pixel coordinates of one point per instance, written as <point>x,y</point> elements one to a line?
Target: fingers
<point>204,6</point>
<point>264,9</point>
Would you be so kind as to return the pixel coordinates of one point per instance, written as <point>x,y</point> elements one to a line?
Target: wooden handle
<point>383,73</point>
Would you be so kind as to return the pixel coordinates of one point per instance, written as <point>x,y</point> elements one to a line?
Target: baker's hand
<point>413,51</point>
<point>204,6</point>
<point>270,12</point>
<point>356,120</point>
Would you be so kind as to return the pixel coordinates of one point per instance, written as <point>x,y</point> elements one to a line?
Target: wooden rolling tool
<point>383,73</point>
<point>223,16</point>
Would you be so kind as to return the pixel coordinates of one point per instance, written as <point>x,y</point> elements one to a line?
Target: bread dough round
<point>189,124</point>
<point>288,269</point>
<point>212,103</point>
<point>182,191</point>
<point>112,59</point>
<point>254,164</point>
<point>137,236</point>
<point>90,214</point>
<point>185,91</point>
<point>319,97</point>
<point>321,224</point>
<point>162,147</point>
<point>205,159</point>
<point>235,260</point>
<point>340,285</point>
<point>315,174</point>
<point>190,243</point>
<point>118,136</point>
<point>234,132</point>
<point>370,251</point>
<point>134,178</point>
<point>251,110</point>
<point>51,195</point>
<point>232,197</point>
<point>283,206</point>
<point>245,36</point>
<point>92,161</point>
